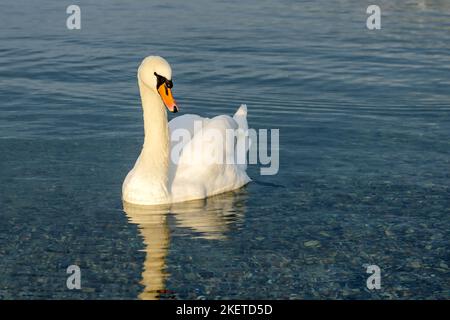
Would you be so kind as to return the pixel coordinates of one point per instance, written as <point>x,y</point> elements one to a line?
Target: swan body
<point>156,178</point>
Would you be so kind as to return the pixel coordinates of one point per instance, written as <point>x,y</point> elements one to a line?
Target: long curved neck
<point>154,158</point>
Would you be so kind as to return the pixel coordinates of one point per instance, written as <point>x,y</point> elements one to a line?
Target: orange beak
<point>167,98</point>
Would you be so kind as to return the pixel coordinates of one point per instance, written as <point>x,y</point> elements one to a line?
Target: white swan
<point>155,178</point>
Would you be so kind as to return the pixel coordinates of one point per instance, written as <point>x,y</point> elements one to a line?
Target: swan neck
<point>155,152</point>
<point>155,119</point>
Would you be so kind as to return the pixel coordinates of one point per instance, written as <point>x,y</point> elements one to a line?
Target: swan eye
<point>160,80</point>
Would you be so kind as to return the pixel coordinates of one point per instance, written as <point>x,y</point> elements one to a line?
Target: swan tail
<point>241,117</point>
<point>242,138</point>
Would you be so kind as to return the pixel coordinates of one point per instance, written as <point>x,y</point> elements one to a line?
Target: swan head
<point>156,74</point>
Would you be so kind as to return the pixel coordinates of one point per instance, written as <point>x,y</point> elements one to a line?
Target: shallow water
<point>364,119</point>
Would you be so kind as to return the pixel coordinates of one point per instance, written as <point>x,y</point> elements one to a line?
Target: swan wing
<point>206,164</point>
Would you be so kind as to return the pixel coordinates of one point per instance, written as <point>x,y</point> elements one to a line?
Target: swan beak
<point>167,98</point>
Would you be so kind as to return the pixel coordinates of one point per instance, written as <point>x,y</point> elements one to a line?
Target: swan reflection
<point>209,218</point>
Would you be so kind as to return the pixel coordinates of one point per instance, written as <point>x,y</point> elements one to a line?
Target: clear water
<point>364,119</point>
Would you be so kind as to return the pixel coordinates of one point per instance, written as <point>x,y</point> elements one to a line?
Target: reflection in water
<point>152,222</point>
<point>209,218</point>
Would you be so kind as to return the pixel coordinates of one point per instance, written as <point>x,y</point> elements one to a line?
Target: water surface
<point>364,119</point>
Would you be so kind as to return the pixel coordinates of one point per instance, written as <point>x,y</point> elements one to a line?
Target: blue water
<point>364,119</point>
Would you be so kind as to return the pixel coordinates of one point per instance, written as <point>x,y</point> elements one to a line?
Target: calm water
<point>364,119</point>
